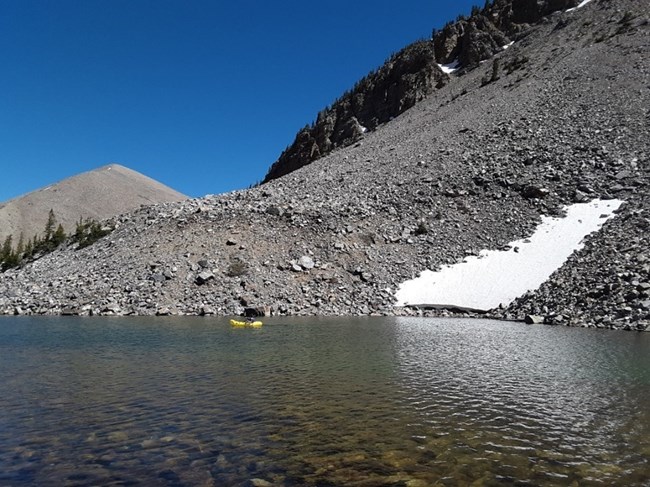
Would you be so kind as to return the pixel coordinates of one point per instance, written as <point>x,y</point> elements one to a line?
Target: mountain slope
<point>472,166</point>
<point>411,75</point>
<point>98,194</point>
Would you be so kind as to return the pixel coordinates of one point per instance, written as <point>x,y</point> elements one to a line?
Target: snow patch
<point>451,67</point>
<point>580,5</point>
<point>498,277</point>
<point>509,44</point>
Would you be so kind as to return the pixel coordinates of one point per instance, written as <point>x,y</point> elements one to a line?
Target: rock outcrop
<point>411,75</point>
<point>405,79</point>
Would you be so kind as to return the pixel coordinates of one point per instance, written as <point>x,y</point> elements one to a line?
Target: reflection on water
<point>378,401</point>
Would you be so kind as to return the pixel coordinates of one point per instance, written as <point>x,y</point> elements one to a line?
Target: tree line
<point>86,233</point>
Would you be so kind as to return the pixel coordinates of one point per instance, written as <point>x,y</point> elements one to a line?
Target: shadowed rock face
<point>410,76</point>
<point>405,79</point>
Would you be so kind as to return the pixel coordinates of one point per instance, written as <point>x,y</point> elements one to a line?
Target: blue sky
<point>200,95</point>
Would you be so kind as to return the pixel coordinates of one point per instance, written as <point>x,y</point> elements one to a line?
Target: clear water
<point>368,402</point>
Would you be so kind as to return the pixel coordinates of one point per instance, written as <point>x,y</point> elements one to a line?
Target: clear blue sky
<point>202,95</point>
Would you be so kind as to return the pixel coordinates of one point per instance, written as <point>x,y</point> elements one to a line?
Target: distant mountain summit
<point>97,194</point>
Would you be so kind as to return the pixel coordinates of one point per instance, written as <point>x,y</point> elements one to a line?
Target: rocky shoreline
<point>473,166</point>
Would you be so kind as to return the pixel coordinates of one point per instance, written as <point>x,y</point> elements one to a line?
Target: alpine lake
<point>188,401</point>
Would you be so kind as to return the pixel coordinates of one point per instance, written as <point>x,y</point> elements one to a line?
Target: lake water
<point>318,401</point>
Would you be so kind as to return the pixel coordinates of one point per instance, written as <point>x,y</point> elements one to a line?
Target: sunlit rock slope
<point>98,194</point>
<point>562,118</point>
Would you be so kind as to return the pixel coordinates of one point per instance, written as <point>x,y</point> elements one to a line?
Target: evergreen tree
<point>88,232</point>
<point>37,245</point>
<point>29,249</point>
<point>5,252</point>
<point>12,260</point>
<point>20,248</point>
<point>49,226</point>
<point>79,230</point>
<point>59,236</point>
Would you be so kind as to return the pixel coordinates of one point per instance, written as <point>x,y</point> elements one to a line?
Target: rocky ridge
<point>405,79</point>
<point>472,166</point>
<point>411,75</point>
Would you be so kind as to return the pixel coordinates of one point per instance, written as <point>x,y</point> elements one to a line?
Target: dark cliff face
<point>479,37</point>
<point>406,78</point>
<point>411,75</point>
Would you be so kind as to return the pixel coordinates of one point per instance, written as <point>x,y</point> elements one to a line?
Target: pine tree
<point>79,230</point>
<point>49,226</point>
<point>20,248</point>
<point>12,260</point>
<point>59,236</point>
<point>37,245</point>
<point>5,253</point>
<point>29,249</point>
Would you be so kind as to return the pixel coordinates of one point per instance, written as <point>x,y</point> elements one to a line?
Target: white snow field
<point>497,277</point>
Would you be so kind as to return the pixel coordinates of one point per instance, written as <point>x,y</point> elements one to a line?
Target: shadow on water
<point>320,401</point>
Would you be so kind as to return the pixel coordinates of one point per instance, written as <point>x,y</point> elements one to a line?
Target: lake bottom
<point>320,401</point>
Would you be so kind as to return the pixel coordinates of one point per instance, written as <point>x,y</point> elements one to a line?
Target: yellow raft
<point>249,324</point>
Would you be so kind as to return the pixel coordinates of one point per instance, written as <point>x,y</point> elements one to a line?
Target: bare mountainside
<point>562,118</point>
<point>98,194</point>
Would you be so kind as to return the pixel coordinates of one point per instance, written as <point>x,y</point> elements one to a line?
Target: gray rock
<point>207,310</point>
<point>204,277</point>
<point>366,276</point>
<point>259,483</point>
<point>257,311</point>
<point>306,262</point>
<point>274,210</point>
<point>158,278</point>
<point>112,308</point>
<point>534,192</point>
<point>533,320</point>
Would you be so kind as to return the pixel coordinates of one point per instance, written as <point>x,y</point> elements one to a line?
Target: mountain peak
<point>98,194</point>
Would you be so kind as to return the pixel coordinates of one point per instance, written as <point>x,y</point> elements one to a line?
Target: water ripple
<point>320,402</point>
